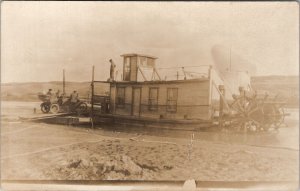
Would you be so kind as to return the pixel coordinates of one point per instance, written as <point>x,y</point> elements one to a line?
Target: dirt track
<point>38,151</point>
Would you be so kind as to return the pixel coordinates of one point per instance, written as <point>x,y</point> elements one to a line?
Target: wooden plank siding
<point>192,102</point>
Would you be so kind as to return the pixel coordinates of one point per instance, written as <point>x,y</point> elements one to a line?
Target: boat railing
<point>185,72</point>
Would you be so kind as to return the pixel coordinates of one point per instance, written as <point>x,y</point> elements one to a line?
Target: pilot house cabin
<point>143,95</point>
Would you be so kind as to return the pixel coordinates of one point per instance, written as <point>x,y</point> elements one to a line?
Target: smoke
<point>226,59</point>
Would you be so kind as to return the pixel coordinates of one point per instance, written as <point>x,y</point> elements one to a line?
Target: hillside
<point>29,91</point>
<point>286,86</point>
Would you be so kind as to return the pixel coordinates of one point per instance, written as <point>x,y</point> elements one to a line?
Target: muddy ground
<point>39,151</point>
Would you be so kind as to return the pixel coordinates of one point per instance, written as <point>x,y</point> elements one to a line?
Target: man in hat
<point>112,70</point>
<point>49,94</point>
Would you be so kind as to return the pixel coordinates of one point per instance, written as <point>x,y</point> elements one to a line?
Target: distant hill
<point>286,86</point>
<point>29,91</point>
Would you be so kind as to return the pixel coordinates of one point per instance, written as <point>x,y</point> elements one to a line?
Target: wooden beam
<point>142,74</point>
<point>92,97</point>
<point>64,83</point>
<point>221,95</point>
<point>157,74</point>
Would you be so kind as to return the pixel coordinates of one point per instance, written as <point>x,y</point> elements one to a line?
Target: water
<point>286,137</point>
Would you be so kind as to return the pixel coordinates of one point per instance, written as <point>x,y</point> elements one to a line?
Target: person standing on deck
<point>112,70</point>
<point>59,97</point>
<point>73,99</point>
<point>49,94</point>
<point>57,93</point>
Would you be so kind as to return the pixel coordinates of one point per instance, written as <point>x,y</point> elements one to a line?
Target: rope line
<point>198,66</point>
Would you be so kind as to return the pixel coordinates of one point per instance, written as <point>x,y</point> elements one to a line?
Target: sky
<point>40,39</point>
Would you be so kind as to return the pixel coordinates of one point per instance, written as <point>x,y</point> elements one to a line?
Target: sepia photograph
<point>157,95</point>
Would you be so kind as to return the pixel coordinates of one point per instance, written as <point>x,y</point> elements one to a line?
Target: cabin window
<point>146,62</point>
<point>172,95</point>
<point>153,99</point>
<point>150,62</point>
<point>143,61</point>
<point>126,69</point>
<point>121,96</point>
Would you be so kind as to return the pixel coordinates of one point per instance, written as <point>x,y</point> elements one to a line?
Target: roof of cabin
<point>142,55</point>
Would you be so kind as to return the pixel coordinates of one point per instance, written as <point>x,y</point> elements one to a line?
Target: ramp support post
<point>221,107</point>
<point>92,98</point>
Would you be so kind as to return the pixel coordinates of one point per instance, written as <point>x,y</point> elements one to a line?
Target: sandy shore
<point>70,153</point>
<point>39,151</point>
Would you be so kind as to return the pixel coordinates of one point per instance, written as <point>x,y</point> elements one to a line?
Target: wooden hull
<point>127,121</point>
